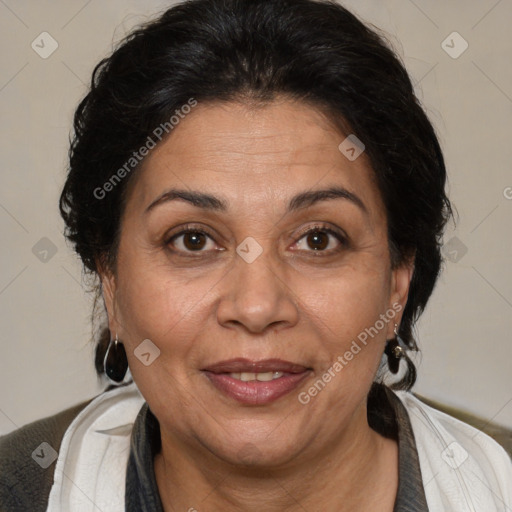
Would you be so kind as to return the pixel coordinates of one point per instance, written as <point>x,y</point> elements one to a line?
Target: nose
<point>257,296</point>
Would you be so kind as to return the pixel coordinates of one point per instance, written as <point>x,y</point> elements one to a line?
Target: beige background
<point>46,358</point>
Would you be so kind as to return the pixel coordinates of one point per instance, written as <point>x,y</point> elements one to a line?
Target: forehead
<point>253,156</point>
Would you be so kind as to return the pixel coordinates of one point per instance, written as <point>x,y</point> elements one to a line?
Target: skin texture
<point>293,303</point>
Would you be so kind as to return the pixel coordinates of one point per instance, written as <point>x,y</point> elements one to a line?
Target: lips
<point>247,381</point>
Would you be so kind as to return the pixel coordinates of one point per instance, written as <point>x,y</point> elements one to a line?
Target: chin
<point>257,454</point>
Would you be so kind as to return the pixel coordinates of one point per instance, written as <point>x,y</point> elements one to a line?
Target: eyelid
<point>319,226</point>
<point>183,230</point>
<point>326,228</point>
<point>187,228</point>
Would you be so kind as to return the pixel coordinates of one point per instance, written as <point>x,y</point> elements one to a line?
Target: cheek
<point>347,316</point>
<point>351,336</point>
<point>158,303</point>
<point>172,307</point>
<point>350,300</point>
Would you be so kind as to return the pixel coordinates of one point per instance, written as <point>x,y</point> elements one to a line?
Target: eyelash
<point>322,228</point>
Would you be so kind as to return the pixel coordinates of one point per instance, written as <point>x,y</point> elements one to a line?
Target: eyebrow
<point>297,202</point>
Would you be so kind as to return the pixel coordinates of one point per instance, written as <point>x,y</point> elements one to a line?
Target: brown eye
<point>322,239</point>
<point>194,241</point>
<point>317,240</point>
<point>191,240</point>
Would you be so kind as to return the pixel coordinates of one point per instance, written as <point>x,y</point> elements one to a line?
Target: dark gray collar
<point>142,491</point>
<point>411,493</point>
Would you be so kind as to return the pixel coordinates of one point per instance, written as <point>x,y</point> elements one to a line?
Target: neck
<point>337,478</point>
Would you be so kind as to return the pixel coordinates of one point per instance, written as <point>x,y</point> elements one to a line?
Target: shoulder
<point>457,449</point>
<point>472,430</point>
<point>27,458</point>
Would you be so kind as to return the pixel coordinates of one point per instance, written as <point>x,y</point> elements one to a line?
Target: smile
<point>256,382</point>
<point>262,377</point>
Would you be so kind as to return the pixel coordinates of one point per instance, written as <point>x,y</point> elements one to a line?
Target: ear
<point>108,290</point>
<point>400,282</point>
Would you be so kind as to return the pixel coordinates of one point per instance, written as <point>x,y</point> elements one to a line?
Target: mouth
<point>256,382</point>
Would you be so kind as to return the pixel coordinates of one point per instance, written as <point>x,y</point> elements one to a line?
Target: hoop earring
<point>395,350</point>
<point>115,363</point>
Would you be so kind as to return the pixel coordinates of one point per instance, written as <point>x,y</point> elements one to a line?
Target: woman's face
<point>248,284</point>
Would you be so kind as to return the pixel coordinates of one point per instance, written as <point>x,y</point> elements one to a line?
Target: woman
<point>261,197</point>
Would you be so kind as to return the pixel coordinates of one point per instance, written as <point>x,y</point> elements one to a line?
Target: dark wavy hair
<point>313,51</point>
